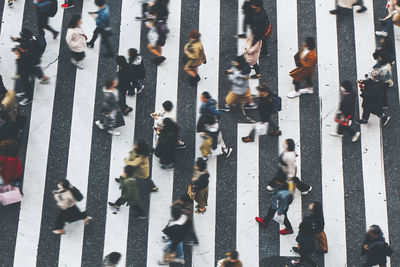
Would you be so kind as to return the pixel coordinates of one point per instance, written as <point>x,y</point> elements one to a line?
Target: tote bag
<point>10,195</point>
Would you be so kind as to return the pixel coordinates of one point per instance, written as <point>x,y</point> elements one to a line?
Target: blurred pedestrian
<point>252,54</point>
<point>186,205</point>
<point>124,83</point>
<point>198,187</point>
<point>259,24</point>
<point>343,5</point>
<point>375,248</point>
<point>166,145</point>
<point>44,10</point>
<point>316,218</point>
<point>157,37</point>
<point>248,15</point>
<point>76,40</point>
<point>10,164</point>
<point>305,244</point>
<point>231,260</point>
<point>138,72</point>
<point>194,56</point>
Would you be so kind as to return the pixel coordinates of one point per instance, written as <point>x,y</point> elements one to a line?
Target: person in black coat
<point>138,71</point>
<point>248,13</point>
<point>317,220</point>
<point>124,83</point>
<point>166,146</point>
<point>305,244</point>
<point>345,114</point>
<point>375,247</point>
<point>259,24</point>
<point>372,92</point>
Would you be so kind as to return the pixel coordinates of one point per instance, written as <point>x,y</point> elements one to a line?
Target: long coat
<point>141,164</point>
<point>347,3</point>
<point>307,68</point>
<point>130,191</point>
<point>195,53</point>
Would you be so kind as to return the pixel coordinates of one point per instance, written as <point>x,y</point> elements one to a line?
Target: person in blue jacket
<point>44,10</point>
<point>103,26</point>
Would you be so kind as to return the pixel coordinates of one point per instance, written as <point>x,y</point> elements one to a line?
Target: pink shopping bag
<point>10,195</point>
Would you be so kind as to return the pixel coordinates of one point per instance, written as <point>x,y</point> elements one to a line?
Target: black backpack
<point>276,102</point>
<point>76,193</point>
<point>52,11</point>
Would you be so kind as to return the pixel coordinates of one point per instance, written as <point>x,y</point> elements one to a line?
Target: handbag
<point>10,195</point>
<point>297,60</point>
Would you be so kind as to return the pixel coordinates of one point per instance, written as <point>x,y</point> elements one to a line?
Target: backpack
<point>388,250</point>
<point>76,193</point>
<point>276,102</point>
<point>52,11</point>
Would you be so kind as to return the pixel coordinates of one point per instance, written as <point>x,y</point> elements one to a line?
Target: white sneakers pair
<point>111,131</point>
<point>294,94</point>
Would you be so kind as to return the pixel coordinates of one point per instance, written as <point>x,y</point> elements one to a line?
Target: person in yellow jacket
<point>194,54</point>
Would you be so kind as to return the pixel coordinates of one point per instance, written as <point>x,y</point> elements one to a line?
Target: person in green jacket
<point>129,193</point>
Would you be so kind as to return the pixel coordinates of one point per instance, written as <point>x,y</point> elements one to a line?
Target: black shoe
<point>161,60</point>
<point>362,121</point>
<point>197,78</point>
<point>127,111</point>
<point>55,35</point>
<point>227,152</point>
<point>362,9</point>
<point>296,249</point>
<point>181,146</point>
<point>256,76</point>
<point>241,36</point>
<point>334,12</point>
<point>117,180</point>
<point>90,45</point>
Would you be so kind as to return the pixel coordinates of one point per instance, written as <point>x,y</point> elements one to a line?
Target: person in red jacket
<point>10,165</point>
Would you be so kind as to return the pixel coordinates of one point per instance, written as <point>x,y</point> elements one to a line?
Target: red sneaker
<point>261,221</point>
<point>67,6</point>
<point>286,232</point>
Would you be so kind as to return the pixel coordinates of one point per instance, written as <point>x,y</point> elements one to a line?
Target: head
<point>167,105</point>
<point>169,125</point>
<point>75,21</point>
<point>121,61</point>
<point>128,170</point>
<point>375,75</point>
<point>315,207</point>
<point>141,147</point>
<point>176,212</point>
<point>234,256</point>
<point>374,231</point>
<point>26,33</point>
<point>205,96</point>
<point>194,35</point>
<point>133,53</point>
<point>114,257</point>
<point>263,89</point>
<point>310,43</point>
<point>111,83</point>
<point>256,5</point>
<point>9,148</point>
<point>100,3</point>
<point>64,184</point>
<point>201,164</point>
<point>346,86</point>
<point>239,62</point>
<point>289,145</point>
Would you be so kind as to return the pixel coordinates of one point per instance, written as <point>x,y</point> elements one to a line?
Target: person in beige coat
<point>342,5</point>
<point>76,40</point>
<point>252,54</point>
<point>194,54</point>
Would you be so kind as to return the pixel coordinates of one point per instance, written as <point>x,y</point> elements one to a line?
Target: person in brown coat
<point>198,188</point>
<point>306,62</point>
<point>194,54</point>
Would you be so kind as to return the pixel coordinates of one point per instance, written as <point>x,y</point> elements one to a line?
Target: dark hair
<point>263,87</point>
<point>142,147</point>
<point>234,255</point>
<point>375,229</point>
<point>114,257</point>
<point>170,125</point>
<point>128,170</point>
<point>121,61</point>
<point>206,95</point>
<point>167,105</point>
<point>291,146</point>
<point>133,53</point>
<point>258,3</point>
<point>244,66</point>
<point>310,43</point>
<point>9,148</point>
<point>176,212</point>
<point>26,33</point>
<point>73,23</point>
<point>100,2</point>
<point>109,82</point>
<point>194,34</point>
<point>65,183</point>
<point>347,86</point>
<point>201,164</point>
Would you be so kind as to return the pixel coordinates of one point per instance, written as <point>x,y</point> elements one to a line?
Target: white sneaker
<point>355,137</point>
<point>16,77</point>
<point>181,261</point>
<point>140,90</point>
<point>293,94</point>
<point>336,134</point>
<point>381,33</point>
<point>306,192</point>
<point>270,188</point>
<point>78,64</point>
<point>308,90</point>
<point>21,94</point>
<point>99,124</point>
<point>114,132</point>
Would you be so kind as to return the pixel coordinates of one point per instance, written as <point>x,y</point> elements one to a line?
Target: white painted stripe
<point>331,147</point>
<point>37,149</point>
<point>247,198</point>
<point>371,139</point>
<point>209,22</point>
<point>397,51</point>
<point>11,26</point>
<point>116,232</point>
<point>81,140</point>
<point>289,119</point>
<point>167,89</point>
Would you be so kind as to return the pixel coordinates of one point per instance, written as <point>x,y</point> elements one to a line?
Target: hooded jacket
<point>76,40</point>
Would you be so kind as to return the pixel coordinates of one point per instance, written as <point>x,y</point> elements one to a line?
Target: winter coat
<point>306,242</point>
<point>209,108</point>
<point>110,100</point>
<point>239,80</point>
<point>10,168</point>
<point>317,221</point>
<point>265,108</point>
<point>138,71</point>
<point>195,53</point>
<point>130,191</point>
<point>347,103</point>
<point>176,230</point>
<point>377,250</point>
<point>141,164</point>
<point>103,18</point>
<point>9,105</point>
<point>64,199</point>
<point>252,52</point>
<point>166,146</point>
<point>259,24</point>
<point>227,263</point>
<point>76,39</point>
<point>124,77</point>
<point>373,95</point>
<point>308,63</point>
<point>346,3</point>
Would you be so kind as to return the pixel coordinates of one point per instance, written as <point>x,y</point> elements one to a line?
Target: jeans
<point>389,25</point>
<point>43,23</point>
<point>104,38</point>
<point>140,212</point>
<point>110,119</point>
<point>178,248</point>
<point>271,213</point>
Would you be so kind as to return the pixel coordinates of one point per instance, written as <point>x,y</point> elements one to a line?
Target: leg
<point>120,201</point>
<point>256,68</point>
<point>252,133</point>
<point>264,50</point>
<point>322,241</point>
<point>104,38</point>
<point>309,82</point>
<point>300,185</point>
<point>154,50</point>
<point>286,221</point>
<point>365,115</point>
<point>179,251</point>
<point>349,130</point>
<point>150,183</point>
<point>385,98</point>
<point>191,71</point>
<point>389,25</point>
<point>95,35</point>
<point>270,215</point>
<point>60,221</point>
<point>273,127</point>
<point>41,23</point>
<point>144,9</point>
<point>122,98</point>
<point>296,85</point>
<point>139,210</point>
<point>306,258</point>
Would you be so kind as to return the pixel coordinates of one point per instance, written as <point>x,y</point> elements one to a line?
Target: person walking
<point>103,26</point>
<point>267,113</point>
<point>194,56</point>
<point>145,9</point>
<point>282,198</point>
<point>306,62</point>
<point>69,212</point>
<point>68,4</point>
<point>287,169</point>
<point>209,105</point>
<point>343,5</point>
<point>167,141</point>
<point>231,260</point>
<point>393,18</point>
<point>252,54</point>
<point>129,193</point>
<point>110,108</point>
<point>76,40</point>
<point>124,83</point>
<point>138,71</point>
<point>157,37</point>
<point>112,259</point>
<point>198,187</point>
<point>139,160</point>
<point>384,66</point>
<point>345,114</point>
<point>248,15</point>
<point>44,10</point>
<point>375,248</point>
<point>186,205</point>
<point>305,244</point>
<point>240,91</point>
<point>259,24</point>
<point>372,93</point>
<point>316,218</point>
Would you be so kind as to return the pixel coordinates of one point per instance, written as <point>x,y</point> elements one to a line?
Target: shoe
<point>200,211</point>
<point>270,188</point>
<point>293,94</point>
<point>385,120</point>
<point>336,134</point>
<point>140,18</point>
<point>256,76</point>
<point>261,221</point>
<point>90,45</point>
<point>355,137</point>
<point>108,54</point>
<point>381,33</point>
<point>127,111</point>
<point>180,261</point>
<point>161,60</point>
<point>154,189</point>
<point>66,6</point>
<point>16,77</point>
<point>362,9</point>
<point>197,78</point>
<point>362,121</point>
<point>55,35</point>
<point>25,101</point>
<point>296,249</point>
<point>142,217</point>
<point>59,232</point>
<point>247,139</point>
<point>181,145</point>
<point>227,152</point>
<point>276,133</point>
<point>87,220</point>
<point>285,232</point>
<point>225,107</point>
<point>250,106</point>
<point>21,94</point>
<point>295,262</point>
<point>117,180</point>
<point>10,2</point>
<point>45,80</point>
<point>334,12</point>
<point>162,262</point>
<point>140,90</point>
<point>114,132</point>
<point>241,36</point>
<point>306,192</point>
<point>113,206</point>
<point>158,60</point>
<point>306,91</point>
<point>99,124</point>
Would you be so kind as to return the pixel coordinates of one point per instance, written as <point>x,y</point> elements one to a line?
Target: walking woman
<point>306,62</point>
<point>157,37</point>
<point>252,54</point>
<point>124,83</point>
<point>317,219</point>
<point>67,203</point>
<point>76,40</point>
<point>198,188</point>
<point>375,248</point>
<point>305,244</point>
<point>138,71</point>
<point>195,56</point>
<point>166,145</point>
<point>139,159</point>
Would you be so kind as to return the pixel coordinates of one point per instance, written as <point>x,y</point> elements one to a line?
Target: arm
<point>215,111</point>
<point>135,161</point>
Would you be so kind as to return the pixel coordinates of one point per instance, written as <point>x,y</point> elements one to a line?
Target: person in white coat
<point>76,40</point>
<point>252,54</point>
<point>348,4</point>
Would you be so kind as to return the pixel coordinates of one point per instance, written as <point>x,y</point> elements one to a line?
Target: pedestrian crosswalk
<point>61,140</point>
